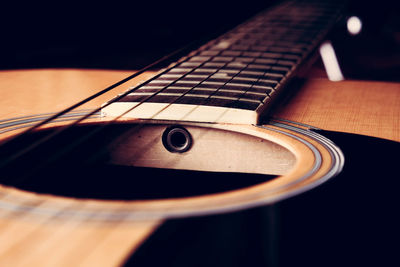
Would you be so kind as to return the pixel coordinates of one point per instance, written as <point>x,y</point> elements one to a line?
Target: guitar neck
<point>237,77</point>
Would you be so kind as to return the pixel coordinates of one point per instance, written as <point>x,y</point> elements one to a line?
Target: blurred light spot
<point>354,25</point>
<point>330,61</point>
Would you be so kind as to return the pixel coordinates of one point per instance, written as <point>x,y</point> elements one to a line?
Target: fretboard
<point>236,77</point>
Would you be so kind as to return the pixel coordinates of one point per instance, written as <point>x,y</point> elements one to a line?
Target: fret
<point>213,65</point>
<point>185,83</point>
<point>192,99</point>
<point>194,77</point>
<point>180,70</point>
<point>190,64</point>
<point>239,47</point>
<point>164,98</point>
<point>266,61</point>
<point>236,86</point>
<point>250,74</point>
<point>242,71</point>
<point>200,58</point>
<point>267,90</point>
<point>211,84</point>
<point>202,91</point>
<point>176,90</point>
<point>259,67</point>
<point>204,71</point>
<point>209,53</point>
<point>231,53</point>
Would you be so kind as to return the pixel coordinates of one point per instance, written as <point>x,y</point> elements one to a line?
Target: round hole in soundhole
<point>177,139</point>
<point>75,164</point>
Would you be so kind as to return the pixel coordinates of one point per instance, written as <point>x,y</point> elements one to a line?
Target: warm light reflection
<point>354,25</point>
<point>330,61</point>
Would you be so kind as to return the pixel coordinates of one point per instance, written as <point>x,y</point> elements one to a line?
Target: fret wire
<point>208,46</point>
<point>136,128</point>
<point>76,142</point>
<point>50,217</point>
<point>229,81</point>
<point>282,60</point>
<point>25,150</point>
<point>186,59</point>
<point>139,126</point>
<point>88,135</point>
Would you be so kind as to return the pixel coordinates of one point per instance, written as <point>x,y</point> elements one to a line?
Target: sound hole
<point>82,170</point>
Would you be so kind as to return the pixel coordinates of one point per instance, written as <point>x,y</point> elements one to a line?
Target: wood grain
<point>27,92</point>
<point>69,242</point>
<point>363,107</point>
<point>370,108</point>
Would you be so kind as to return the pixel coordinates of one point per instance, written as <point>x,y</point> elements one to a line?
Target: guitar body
<point>239,153</point>
<point>312,210</point>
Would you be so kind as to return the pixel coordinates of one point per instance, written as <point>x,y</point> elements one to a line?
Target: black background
<point>130,35</point>
<point>111,34</point>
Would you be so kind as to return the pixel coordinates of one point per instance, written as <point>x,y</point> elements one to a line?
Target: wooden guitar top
<point>361,107</point>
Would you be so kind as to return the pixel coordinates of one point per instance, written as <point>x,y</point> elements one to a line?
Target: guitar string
<point>97,130</point>
<point>10,158</point>
<point>62,129</point>
<point>48,219</point>
<point>77,142</point>
<point>189,91</point>
<point>201,102</point>
<point>82,102</point>
<point>66,127</point>
<point>21,152</point>
<point>83,118</point>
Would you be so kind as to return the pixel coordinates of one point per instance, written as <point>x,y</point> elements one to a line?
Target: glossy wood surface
<point>362,107</point>
<point>27,239</point>
<point>28,92</point>
<point>370,108</point>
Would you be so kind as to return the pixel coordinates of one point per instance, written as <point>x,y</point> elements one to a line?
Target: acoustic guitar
<point>238,153</point>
